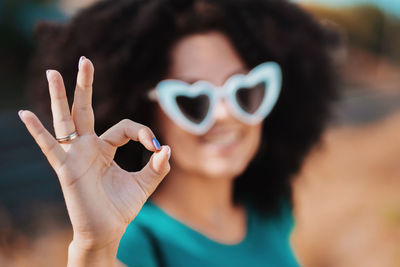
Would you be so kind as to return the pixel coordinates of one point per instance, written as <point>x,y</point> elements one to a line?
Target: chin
<point>221,169</point>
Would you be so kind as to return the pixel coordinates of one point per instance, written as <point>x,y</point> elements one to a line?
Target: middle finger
<point>82,111</point>
<point>62,120</point>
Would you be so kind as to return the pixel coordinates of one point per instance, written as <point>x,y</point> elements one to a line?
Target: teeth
<point>224,139</point>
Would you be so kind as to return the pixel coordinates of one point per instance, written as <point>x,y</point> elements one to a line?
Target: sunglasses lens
<point>251,98</point>
<point>194,109</point>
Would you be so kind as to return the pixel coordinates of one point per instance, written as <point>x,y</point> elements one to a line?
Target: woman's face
<point>228,147</point>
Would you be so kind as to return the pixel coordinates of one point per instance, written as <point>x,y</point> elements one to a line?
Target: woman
<point>240,90</point>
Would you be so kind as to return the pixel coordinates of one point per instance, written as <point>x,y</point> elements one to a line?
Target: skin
<point>102,199</point>
<point>207,165</point>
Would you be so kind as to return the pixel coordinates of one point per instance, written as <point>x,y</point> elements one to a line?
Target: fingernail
<point>169,153</point>
<point>20,114</point>
<point>47,74</point>
<point>156,144</point>
<point>80,62</point>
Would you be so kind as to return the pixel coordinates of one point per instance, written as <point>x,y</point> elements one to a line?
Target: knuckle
<point>64,119</point>
<point>48,148</point>
<point>125,122</point>
<point>80,87</point>
<point>85,108</point>
<point>144,131</point>
<point>123,125</point>
<point>85,85</point>
<point>82,107</point>
<point>155,173</point>
<point>60,95</point>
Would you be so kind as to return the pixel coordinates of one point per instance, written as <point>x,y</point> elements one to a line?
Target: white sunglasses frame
<point>166,91</point>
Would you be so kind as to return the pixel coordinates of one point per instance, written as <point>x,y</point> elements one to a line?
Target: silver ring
<point>67,138</point>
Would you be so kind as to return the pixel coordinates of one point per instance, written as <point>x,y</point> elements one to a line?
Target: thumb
<point>155,170</point>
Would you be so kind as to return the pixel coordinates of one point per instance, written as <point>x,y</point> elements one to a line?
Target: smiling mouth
<point>222,139</point>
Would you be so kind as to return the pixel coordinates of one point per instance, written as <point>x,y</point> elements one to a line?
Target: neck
<point>204,204</point>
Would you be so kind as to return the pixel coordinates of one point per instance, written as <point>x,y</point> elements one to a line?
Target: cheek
<point>254,137</point>
<point>181,142</point>
<point>250,145</point>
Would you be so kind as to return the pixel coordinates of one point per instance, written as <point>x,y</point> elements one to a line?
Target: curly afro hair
<point>130,41</point>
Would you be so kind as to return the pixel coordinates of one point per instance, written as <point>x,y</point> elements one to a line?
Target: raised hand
<point>101,198</point>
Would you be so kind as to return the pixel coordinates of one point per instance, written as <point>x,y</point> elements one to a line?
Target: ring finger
<point>62,120</point>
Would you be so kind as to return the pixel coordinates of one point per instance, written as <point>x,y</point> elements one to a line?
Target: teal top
<point>155,238</point>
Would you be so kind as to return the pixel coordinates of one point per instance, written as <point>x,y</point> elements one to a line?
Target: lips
<point>222,140</point>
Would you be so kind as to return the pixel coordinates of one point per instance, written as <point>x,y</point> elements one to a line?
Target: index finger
<point>126,130</point>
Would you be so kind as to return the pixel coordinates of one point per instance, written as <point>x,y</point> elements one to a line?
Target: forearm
<point>83,256</point>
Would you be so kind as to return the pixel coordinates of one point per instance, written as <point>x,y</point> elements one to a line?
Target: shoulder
<point>275,230</point>
<point>137,246</point>
<point>282,219</point>
<point>285,218</point>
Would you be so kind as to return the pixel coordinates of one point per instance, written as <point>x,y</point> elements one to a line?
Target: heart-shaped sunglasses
<point>250,98</point>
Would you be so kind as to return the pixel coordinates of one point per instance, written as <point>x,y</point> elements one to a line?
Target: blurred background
<point>347,196</point>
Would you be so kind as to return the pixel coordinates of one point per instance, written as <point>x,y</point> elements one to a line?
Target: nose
<point>221,110</point>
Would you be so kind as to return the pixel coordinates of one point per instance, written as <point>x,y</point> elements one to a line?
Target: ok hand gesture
<point>101,198</point>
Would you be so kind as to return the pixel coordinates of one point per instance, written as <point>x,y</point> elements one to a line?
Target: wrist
<point>82,253</point>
